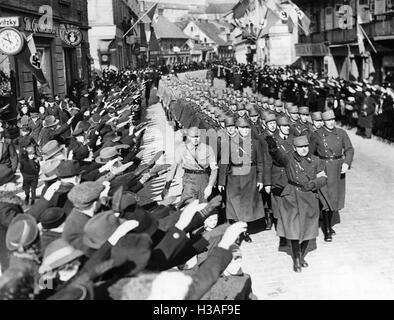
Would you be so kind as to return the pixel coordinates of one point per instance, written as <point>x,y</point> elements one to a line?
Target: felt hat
<point>57,254</point>
<point>52,218</point>
<point>107,154</point>
<point>84,194</point>
<point>99,228</point>
<point>278,103</point>
<point>134,248</point>
<point>48,169</point>
<point>50,149</point>
<point>67,169</point>
<point>271,101</point>
<point>22,232</point>
<point>81,128</point>
<point>147,222</point>
<point>328,115</point>
<point>50,121</point>
<point>301,141</point>
<point>50,99</point>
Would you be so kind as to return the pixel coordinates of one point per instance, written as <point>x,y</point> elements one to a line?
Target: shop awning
<point>104,45</point>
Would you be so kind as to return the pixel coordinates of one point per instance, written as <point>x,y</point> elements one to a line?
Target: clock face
<point>11,41</point>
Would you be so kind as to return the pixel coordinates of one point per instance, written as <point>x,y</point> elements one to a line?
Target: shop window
<point>5,69</point>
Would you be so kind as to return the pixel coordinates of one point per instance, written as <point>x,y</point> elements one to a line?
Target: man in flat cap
<point>84,197</point>
<point>200,165</point>
<point>333,146</point>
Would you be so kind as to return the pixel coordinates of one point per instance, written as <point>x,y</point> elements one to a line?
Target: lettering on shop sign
<point>9,22</point>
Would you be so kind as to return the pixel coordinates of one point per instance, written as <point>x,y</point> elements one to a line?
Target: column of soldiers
<point>270,159</point>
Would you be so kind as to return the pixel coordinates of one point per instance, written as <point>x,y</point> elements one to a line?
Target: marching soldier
<point>295,126</point>
<point>306,126</point>
<point>317,120</point>
<point>241,174</point>
<point>335,149</point>
<point>276,178</point>
<point>298,219</point>
<point>199,163</point>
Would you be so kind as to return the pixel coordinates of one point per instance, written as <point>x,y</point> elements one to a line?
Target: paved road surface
<point>358,264</point>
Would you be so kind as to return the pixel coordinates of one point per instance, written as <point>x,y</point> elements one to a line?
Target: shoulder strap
<point>195,160</point>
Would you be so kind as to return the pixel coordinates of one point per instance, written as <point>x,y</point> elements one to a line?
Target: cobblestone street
<point>358,264</point>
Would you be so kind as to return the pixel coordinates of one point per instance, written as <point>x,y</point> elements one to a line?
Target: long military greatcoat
<point>299,209</point>
<point>334,148</point>
<point>240,172</point>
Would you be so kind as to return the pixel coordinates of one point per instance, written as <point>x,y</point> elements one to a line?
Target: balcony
<point>377,30</point>
<point>331,36</point>
<point>181,52</point>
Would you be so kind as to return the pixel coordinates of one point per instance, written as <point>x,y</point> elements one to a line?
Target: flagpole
<point>139,19</point>
<point>365,34</point>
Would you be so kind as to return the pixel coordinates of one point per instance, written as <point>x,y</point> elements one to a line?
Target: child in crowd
<point>30,170</point>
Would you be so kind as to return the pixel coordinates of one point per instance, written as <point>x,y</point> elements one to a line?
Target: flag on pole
<point>280,12</point>
<point>31,60</point>
<point>152,12</point>
<point>302,17</point>
<point>270,20</point>
<point>240,9</point>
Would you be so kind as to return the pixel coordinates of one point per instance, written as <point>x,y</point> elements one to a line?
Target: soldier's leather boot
<point>332,231</point>
<point>304,246</point>
<point>295,247</point>
<point>326,230</point>
<point>268,220</point>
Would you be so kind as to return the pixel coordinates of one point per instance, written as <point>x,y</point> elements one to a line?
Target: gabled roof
<point>220,8</point>
<point>165,29</point>
<point>211,31</point>
<point>182,24</point>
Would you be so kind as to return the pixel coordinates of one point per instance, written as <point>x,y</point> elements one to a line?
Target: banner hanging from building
<point>31,60</point>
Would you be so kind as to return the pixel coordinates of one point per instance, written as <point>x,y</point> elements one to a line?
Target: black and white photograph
<point>218,151</point>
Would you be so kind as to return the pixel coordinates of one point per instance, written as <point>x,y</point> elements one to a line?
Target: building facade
<point>172,44</point>
<point>359,30</point>
<point>213,39</point>
<point>109,20</point>
<point>274,46</point>
<point>62,61</point>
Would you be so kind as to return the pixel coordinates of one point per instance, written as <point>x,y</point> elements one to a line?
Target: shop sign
<point>9,22</point>
<point>311,49</point>
<point>71,36</point>
<point>37,25</point>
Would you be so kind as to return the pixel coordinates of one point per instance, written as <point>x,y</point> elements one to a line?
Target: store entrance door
<point>70,67</point>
